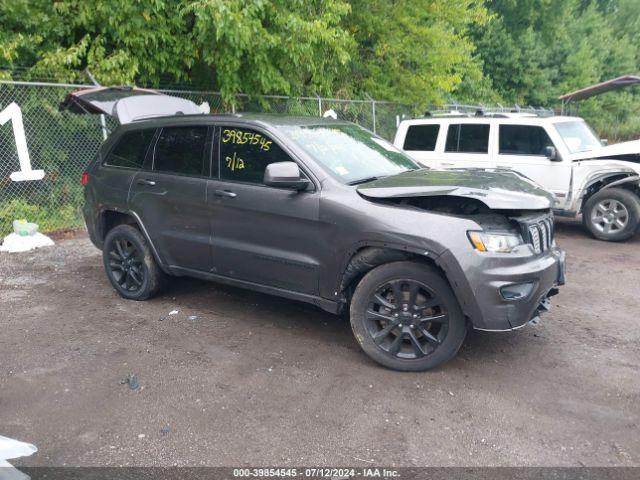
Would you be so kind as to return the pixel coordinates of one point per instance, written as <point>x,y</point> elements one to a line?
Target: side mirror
<point>604,141</point>
<point>552,154</point>
<point>284,175</point>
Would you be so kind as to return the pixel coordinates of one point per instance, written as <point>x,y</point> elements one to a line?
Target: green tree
<point>413,51</point>
<point>532,51</point>
<point>260,46</point>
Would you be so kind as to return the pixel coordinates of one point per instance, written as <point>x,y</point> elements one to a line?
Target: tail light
<point>84,179</point>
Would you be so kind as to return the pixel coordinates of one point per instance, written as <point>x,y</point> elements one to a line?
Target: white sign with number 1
<point>13,113</point>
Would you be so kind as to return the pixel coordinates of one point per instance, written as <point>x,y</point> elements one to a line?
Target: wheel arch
<point>365,257</point>
<point>601,182</point>
<point>112,217</point>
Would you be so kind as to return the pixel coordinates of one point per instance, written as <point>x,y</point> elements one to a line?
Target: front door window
<point>245,153</point>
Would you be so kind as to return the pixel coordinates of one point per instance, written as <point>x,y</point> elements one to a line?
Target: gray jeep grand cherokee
<point>328,213</point>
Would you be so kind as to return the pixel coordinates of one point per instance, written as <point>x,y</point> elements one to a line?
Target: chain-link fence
<point>61,143</point>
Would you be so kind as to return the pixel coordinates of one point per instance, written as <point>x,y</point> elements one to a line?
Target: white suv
<point>560,153</point>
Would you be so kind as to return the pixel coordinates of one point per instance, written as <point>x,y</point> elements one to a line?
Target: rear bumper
<point>481,290</point>
<point>90,220</point>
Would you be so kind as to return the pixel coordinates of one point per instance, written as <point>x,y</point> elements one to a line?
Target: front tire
<point>406,317</point>
<point>612,214</point>
<point>130,265</point>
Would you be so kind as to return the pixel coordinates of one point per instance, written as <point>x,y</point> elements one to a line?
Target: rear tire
<point>612,214</point>
<point>406,317</point>
<point>130,265</point>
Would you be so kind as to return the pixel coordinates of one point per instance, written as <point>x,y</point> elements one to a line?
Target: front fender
<point>381,252</point>
<point>595,180</point>
<point>622,181</point>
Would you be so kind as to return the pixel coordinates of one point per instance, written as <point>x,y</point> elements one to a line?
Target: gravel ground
<point>237,378</point>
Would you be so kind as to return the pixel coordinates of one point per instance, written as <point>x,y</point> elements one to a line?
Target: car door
<point>466,145</point>
<point>522,148</point>
<point>261,234</point>
<point>170,196</point>
<point>120,165</point>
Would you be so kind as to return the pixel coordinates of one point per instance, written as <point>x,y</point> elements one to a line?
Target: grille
<point>539,234</point>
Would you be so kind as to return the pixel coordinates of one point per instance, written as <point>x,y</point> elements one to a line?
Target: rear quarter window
<point>131,149</point>
<point>421,138</point>
<point>182,150</point>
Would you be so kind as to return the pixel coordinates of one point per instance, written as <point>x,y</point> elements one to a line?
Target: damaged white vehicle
<point>560,153</point>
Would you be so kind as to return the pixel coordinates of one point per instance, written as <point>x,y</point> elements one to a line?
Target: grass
<point>48,217</point>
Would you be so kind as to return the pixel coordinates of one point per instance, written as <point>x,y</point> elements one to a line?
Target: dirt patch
<point>67,233</point>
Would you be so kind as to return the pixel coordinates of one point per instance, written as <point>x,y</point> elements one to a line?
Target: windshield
<point>351,153</point>
<point>578,136</point>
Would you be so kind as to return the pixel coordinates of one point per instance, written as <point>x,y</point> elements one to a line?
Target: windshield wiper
<point>372,178</point>
<point>364,180</point>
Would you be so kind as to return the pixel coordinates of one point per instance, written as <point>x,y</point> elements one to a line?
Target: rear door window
<point>421,138</point>
<point>131,149</point>
<point>182,150</point>
<point>523,140</point>
<point>468,138</point>
<point>245,153</point>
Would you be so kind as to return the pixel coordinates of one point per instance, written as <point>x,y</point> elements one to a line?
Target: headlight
<point>495,242</point>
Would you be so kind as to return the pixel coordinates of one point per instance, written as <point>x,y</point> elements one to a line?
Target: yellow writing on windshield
<point>240,137</point>
<point>234,162</point>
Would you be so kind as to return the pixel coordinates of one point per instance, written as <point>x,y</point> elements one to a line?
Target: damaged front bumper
<point>545,304</point>
<point>543,307</point>
<point>482,292</point>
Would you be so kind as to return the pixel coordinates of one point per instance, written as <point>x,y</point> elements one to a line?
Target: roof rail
<point>464,110</point>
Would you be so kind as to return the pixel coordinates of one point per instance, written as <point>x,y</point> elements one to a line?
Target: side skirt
<point>330,306</point>
<point>564,213</point>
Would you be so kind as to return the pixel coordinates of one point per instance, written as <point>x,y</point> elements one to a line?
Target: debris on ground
<point>170,314</point>
<point>192,317</point>
<point>132,381</point>
<point>10,448</point>
<point>25,237</point>
<point>165,430</point>
<point>24,228</point>
<point>14,243</point>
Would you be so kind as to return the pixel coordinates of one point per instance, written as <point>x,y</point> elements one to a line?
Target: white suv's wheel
<point>612,214</point>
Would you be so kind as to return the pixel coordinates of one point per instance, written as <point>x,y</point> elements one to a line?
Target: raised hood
<point>496,189</point>
<point>627,151</point>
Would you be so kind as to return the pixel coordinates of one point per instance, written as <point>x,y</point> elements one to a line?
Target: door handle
<point>144,181</point>
<point>225,193</point>
<point>447,164</point>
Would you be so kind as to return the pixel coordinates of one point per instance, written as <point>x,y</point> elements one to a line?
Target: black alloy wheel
<point>130,265</point>
<point>126,265</point>
<point>405,316</point>
<point>406,319</point>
